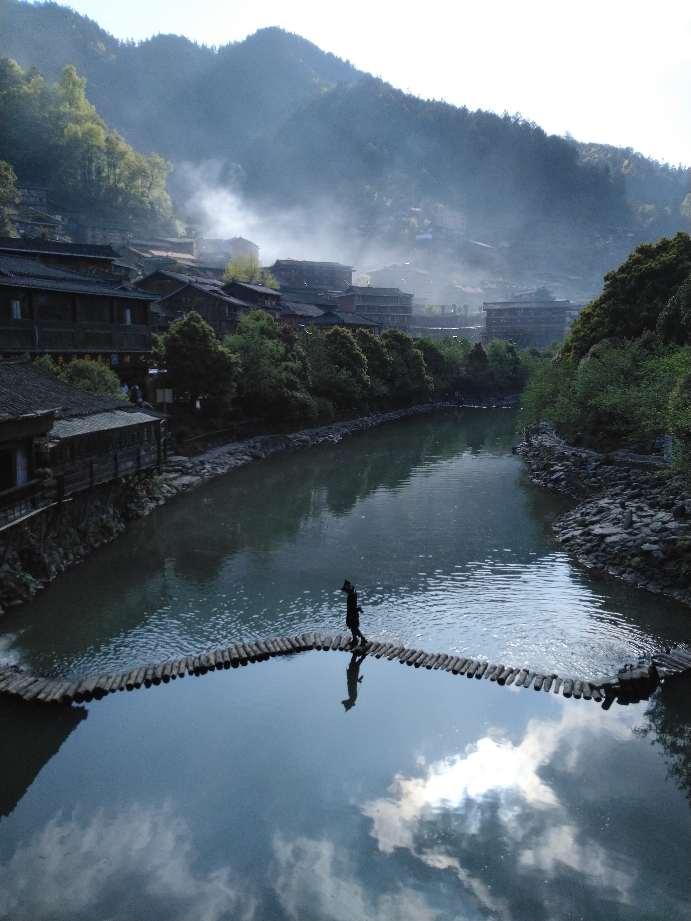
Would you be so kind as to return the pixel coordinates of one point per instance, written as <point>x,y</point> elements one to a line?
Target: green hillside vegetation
<point>623,376</point>
<point>54,135</point>
<point>279,375</point>
<point>304,126</point>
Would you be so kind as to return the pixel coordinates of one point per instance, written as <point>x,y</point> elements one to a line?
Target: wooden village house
<point>57,440</point>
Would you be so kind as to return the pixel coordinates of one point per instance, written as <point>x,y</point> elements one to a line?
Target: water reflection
<point>669,726</point>
<point>136,863</point>
<point>31,736</point>
<point>353,678</point>
<point>492,818</point>
<point>451,548</point>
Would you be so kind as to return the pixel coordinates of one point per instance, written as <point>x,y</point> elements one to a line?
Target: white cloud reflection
<point>314,880</point>
<point>72,869</point>
<point>494,777</point>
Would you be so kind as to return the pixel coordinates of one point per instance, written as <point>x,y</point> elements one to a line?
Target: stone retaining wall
<point>633,518</point>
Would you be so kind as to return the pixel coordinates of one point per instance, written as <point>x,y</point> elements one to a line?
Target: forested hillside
<point>53,135</point>
<point>305,126</point>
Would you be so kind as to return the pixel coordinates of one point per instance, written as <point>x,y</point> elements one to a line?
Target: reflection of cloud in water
<point>314,880</point>
<point>497,780</point>
<point>560,848</point>
<point>70,869</point>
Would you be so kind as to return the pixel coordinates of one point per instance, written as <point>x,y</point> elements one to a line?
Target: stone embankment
<point>35,552</point>
<point>632,520</point>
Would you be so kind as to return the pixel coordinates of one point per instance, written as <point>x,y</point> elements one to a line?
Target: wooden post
<point>481,670</point>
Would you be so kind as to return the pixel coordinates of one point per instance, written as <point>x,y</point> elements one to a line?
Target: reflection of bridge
<point>632,683</point>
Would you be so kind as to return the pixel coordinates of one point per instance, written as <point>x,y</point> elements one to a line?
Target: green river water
<point>290,789</point>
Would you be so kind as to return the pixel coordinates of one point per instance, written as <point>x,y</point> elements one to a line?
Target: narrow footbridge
<point>630,684</point>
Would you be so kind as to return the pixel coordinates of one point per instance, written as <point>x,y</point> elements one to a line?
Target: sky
<point>604,71</point>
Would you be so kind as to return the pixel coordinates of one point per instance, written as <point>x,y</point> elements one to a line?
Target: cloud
<point>316,881</point>
<point>70,868</point>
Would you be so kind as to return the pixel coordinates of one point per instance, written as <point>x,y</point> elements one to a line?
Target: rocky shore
<point>34,553</point>
<point>633,517</point>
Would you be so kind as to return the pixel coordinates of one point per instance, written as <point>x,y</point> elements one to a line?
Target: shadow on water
<point>31,735</point>
<point>353,679</point>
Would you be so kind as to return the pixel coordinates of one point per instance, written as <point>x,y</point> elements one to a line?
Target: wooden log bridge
<point>630,684</point>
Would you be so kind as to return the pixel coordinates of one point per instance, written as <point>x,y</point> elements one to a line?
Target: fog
<point>210,198</point>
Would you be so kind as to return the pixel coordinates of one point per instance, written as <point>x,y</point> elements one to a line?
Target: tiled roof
<point>49,247</point>
<point>98,422</point>
<point>80,286</point>
<point>21,267</point>
<point>337,317</point>
<point>26,389</point>
<point>259,289</point>
<point>211,290</point>
<point>302,310</point>
<point>369,291</point>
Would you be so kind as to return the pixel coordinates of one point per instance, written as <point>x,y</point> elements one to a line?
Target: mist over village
<point>293,361</point>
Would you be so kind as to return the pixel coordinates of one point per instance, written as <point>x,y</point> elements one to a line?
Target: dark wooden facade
<point>87,451</point>
<point>20,487</point>
<point>57,440</point>
<point>85,258</point>
<point>56,317</point>
<point>526,323</point>
<point>389,308</point>
<point>326,276</point>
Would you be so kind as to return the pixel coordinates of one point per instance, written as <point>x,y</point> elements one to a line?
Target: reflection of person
<point>353,679</point>
<point>353,611</point>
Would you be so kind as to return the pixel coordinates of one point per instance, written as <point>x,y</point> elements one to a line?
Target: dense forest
<point>304,127</point>
<point>623,375</point>
<point>54,136</point>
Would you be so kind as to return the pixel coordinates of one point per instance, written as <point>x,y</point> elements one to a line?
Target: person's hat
<point>347,586</point>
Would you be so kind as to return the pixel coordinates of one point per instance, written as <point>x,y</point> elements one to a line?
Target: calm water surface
<point>290,790</point>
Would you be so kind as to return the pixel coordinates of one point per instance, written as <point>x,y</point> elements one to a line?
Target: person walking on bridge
<point>353,611</point>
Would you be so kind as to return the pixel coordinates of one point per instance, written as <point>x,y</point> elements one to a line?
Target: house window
<point>16,310</point>
<point>6,470</point>
<point>21,467</point>
<point>128,316</point>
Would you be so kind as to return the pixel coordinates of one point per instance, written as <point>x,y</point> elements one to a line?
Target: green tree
<point>338,367</point>
<point>274,377</point>
<point>243,268</point>
<point>9,197</point>
<point>91,376</point>
<point>674,322</point>
<point>634,295</point>
<point>410,381</point>
<point>54,135</point>
<point>195,362</point>
<point>378,364</point>
<point>506,365</point>
<point>436,365</point>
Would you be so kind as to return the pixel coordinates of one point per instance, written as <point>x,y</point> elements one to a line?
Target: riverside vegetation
<point>621,381</point>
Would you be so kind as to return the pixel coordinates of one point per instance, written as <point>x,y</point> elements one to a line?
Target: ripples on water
<point>449,545</point>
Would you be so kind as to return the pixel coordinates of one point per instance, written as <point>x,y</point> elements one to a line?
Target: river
<point>293,790</point>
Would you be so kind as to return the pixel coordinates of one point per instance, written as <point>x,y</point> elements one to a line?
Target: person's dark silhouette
<point>353,678</point>
<point>353,611</point>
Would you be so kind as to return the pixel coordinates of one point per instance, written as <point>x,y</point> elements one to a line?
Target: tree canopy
<point>196,363</point>
<point>53,135</point>
<point>634,295</point>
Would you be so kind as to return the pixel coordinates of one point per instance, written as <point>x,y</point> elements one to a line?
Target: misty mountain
<point>186,101</point>
<point>307,129</point>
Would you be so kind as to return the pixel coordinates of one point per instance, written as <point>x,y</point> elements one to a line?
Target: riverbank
<point>633,517</point>
<point>35,552</point>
